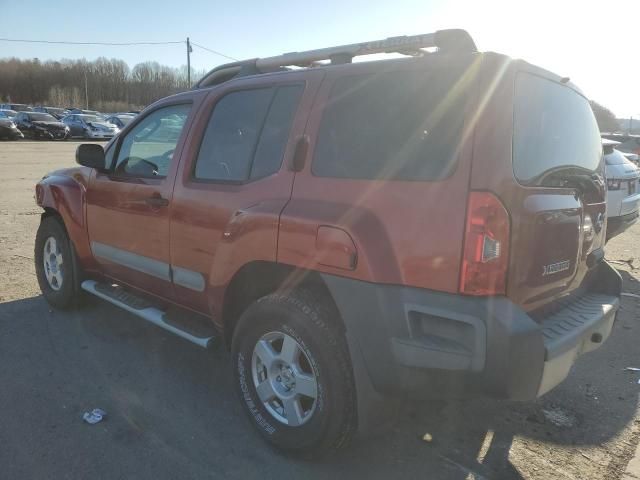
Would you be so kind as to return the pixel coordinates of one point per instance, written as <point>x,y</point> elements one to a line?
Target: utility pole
<point>189,50</point>
<point>86,90</point>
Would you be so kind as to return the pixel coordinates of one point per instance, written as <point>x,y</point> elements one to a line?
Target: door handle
<point>156,201</point>
<point>300,153</point>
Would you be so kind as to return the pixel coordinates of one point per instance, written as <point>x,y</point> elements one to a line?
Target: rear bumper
<point>426,343</point>
<point>577,329</point>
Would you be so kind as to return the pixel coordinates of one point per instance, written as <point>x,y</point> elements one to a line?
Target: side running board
<point>143,309</point>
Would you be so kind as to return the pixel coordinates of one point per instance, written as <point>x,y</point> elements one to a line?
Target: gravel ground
<point>172,412</point>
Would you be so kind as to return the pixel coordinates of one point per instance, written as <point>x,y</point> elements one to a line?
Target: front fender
<point>64,192</point>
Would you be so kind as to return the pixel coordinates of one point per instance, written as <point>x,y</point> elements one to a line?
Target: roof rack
<point>452,40</point>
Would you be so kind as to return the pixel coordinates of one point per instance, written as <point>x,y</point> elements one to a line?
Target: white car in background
<point>623,190</point>
<point>632,157</point>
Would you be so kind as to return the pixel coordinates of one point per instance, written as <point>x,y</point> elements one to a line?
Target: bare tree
<point>606,119</point>
<point>111,85</point>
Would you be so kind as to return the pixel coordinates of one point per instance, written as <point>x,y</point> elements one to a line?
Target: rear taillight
<point>486,246</point>
<point>613,184</point>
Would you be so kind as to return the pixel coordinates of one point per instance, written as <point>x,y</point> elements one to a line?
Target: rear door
<point>543,158</point>
<point>234,182</point>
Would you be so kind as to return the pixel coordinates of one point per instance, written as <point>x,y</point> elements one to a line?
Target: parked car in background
<point>8,113</point>
<point>626,143</point>
<point>9,130</point>
<point>623,189</point>
<point>18,107</point>
<point>41,126</point>
<point>89,126</point>
<point>120,120</point>
<point>80,111</point>
<point>57,112</point>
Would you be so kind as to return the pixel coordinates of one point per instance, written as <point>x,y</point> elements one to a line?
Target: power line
<point>60,42</point>
<point>213,51</point>
<point>87,43</point>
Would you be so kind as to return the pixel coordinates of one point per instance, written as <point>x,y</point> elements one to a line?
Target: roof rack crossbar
<point>444,40</point>
<point>452,40</point>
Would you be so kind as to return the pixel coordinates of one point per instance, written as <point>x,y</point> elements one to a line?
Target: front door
<point>75,126</point>
<point>128,207</point>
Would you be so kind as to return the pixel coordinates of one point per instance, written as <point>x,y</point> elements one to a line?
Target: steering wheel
<point>134,163</point>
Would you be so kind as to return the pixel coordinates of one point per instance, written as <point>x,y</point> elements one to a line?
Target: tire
<point>321,424</point>
<point>60,287</point>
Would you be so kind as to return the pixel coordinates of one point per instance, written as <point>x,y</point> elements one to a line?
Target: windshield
<point>90,118</point>
<point>42,117</point>
<point>125,119</point>
<point>554,132</point>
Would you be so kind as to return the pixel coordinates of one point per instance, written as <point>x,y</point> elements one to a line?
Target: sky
<point>596,44</point>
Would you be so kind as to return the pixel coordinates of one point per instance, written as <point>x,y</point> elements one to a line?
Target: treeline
<point>110,84</point>
<point>606,119</point>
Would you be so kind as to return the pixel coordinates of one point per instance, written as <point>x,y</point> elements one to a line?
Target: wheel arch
<point>257,279</point>
<point>63,195</point>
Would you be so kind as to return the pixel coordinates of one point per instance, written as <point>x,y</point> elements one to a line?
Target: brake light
<point>613,184</point>
<point>486,246</point>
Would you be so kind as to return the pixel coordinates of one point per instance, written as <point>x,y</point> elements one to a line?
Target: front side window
<point>41,117</point>
<point>403,125</point>
<point>147,150</point>
<point>247,134</point>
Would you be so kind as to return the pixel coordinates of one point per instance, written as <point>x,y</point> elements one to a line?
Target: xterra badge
<point>556,267</point>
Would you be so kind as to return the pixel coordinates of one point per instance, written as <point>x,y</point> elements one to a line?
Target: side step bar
<point>142,309</point>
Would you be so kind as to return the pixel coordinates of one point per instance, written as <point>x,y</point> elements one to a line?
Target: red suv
<point>432,224</point>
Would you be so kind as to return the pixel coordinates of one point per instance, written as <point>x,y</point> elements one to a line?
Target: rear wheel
<point>56,266</point>
<point>293,373</point>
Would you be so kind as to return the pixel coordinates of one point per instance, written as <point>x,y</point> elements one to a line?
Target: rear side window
<point>404,125</point>
<point>247,134</point>
<point>555,133</point>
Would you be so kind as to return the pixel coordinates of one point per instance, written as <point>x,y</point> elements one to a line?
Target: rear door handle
<point>156,201</point>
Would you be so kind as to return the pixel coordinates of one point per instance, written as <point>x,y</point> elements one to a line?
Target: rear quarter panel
<point>404,232</point>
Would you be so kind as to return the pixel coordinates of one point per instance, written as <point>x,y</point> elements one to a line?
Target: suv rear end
<point>480,270</point>
<point>537,148</point>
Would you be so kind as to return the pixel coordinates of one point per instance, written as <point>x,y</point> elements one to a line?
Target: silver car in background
<point>623,189</point>
<point>90,126</point>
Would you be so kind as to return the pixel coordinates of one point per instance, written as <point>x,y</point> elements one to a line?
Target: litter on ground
<point>94,416</point>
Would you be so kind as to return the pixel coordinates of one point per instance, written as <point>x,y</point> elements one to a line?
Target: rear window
<point>555,132</point>
<point>403,125</point>
<point>615,158</point>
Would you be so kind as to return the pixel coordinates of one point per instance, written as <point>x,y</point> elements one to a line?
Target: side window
<point>247,134</point>
<point>147,150</point>
<point>403,125</point>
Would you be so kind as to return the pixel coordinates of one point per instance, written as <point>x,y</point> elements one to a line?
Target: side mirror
<point>90,155</point>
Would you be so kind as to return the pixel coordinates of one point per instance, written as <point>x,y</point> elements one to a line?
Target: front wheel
<point>56,266</point>
<point>293,373</point>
